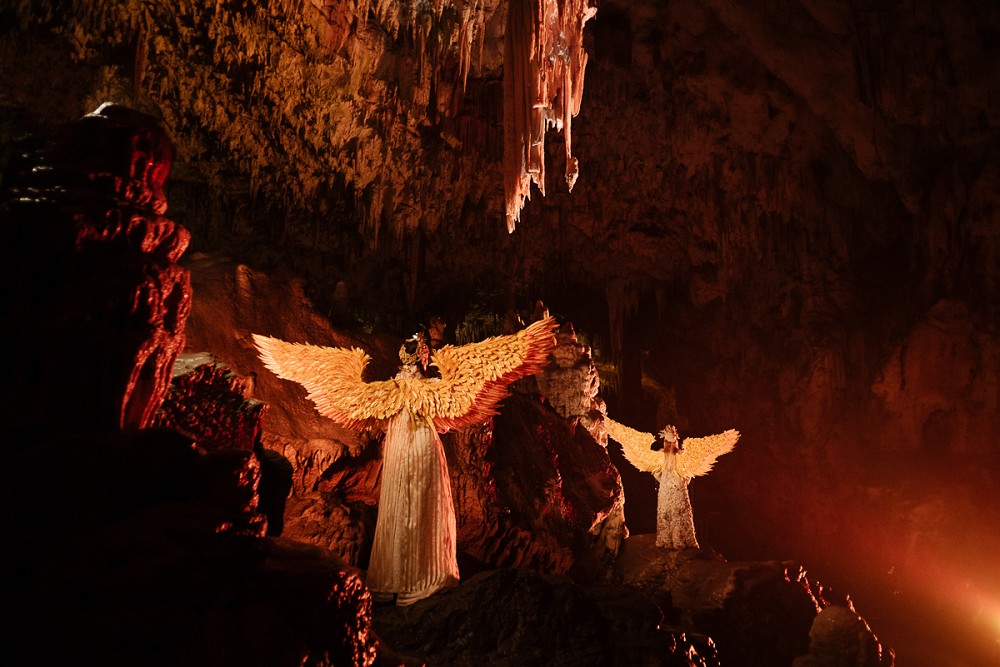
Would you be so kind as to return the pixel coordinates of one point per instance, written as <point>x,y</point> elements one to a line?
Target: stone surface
<point>131,543</point>
<point>108,314</point>
<point>515,617</point>
<point>839,636</point>
<point>757,613</point>
<point>211,404</point>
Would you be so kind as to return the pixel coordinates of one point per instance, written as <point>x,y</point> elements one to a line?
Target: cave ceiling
<point>779,160</point>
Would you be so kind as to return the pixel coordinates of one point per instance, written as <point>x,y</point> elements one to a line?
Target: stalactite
<point>241,86</point>
<point>544,63</point>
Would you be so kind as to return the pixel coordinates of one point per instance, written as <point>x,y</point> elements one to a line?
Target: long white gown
<point>414,551</point>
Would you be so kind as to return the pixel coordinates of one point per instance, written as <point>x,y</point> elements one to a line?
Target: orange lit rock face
<point>108,518</point>
<point>211,405</point>
<point>528,491</point>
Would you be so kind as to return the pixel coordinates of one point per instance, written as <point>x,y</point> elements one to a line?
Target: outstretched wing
<point>474,377</point>
<point>635,445</point>
<point>700,454</point>
<point>332,376</point>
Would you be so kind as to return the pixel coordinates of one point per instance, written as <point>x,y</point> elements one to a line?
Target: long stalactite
<point>544,63</point>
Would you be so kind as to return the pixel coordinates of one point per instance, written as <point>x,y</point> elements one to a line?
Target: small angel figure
<point>673,468</point>
<point>414,551</point>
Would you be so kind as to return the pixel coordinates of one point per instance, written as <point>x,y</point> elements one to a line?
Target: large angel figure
<point>673,467</point>
<point>414,552</point>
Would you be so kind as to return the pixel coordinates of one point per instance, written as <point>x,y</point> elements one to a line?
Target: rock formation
<point>134,534</point>
<point>111,300</point>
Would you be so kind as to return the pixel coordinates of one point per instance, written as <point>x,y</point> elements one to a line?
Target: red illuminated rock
<point>132,541</point>
<point>211,404</point>
<point>114,301</point>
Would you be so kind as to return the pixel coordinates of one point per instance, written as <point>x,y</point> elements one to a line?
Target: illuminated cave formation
<point>786,219</point>
<point>543,75</point>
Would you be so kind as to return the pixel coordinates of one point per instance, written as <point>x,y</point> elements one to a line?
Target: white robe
<point>674,516</point>
<point>413,554</point>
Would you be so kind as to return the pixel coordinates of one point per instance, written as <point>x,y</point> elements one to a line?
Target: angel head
<point>415,351</point>
<point>668,437</point>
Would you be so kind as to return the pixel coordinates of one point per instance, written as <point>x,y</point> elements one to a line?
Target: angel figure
<point>414,551</point>
<point>673,468</point>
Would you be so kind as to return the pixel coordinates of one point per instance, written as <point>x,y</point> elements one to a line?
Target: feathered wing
<point>332,376</point>
<point>474,377</point>
<point>700,454</point>
<point>635,445</point>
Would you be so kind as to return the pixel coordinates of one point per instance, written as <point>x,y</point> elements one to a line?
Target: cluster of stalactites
<point>464,29</point>
<point>544,64</point>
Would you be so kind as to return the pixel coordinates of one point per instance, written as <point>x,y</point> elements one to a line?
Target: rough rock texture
<point>531,491</point>
<point>571,385</point>
<point>757,613</point>
<point>839,636</point>
<point>133,545</point>
<point>112,300</point>
<point>211,404</point>
<point>515,617</point>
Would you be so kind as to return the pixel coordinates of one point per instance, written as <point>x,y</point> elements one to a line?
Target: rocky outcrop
<point>571,384</point>
<point>136,544</point>
<point>111,301</point>
<point>515,617</point>
<point>212,405</point>
<point>757,613</point>
<point>839,636</point>
<point>530,489</point>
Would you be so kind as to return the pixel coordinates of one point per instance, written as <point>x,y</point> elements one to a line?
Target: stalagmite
<point>544,65</point>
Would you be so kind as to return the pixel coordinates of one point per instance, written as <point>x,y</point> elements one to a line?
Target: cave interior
<point>778,217</point>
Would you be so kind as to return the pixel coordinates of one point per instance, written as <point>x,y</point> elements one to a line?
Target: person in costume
<point>674,464</point>
<point>414,550</point>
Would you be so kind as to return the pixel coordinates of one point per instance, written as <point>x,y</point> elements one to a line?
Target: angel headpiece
<point>415,350</point>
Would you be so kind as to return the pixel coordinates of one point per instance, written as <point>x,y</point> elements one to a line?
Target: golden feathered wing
<point>332,376</point>
<point>635,446</point>
<point>698,457</point>
<point>473,380</point>
<point>474,377</point>
<point>700,454</point>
